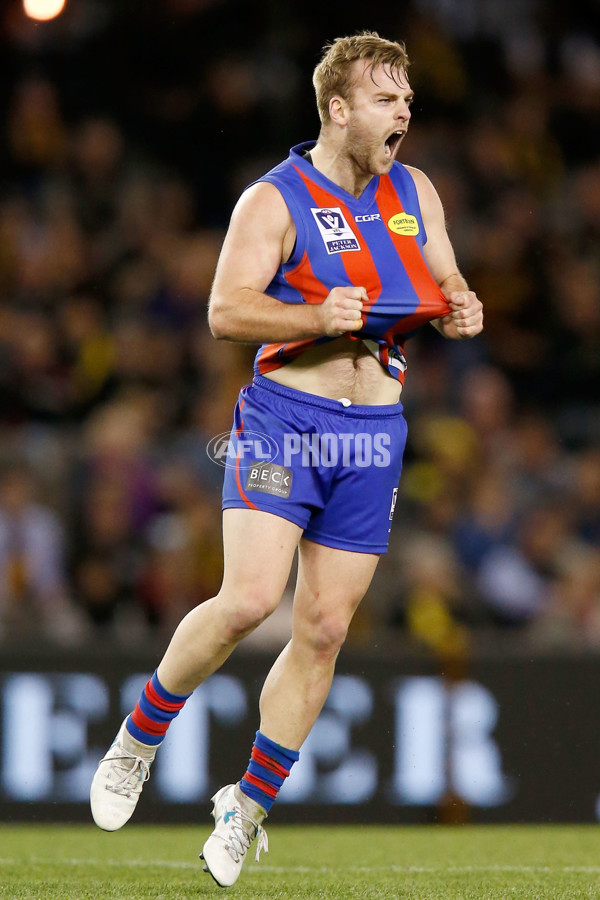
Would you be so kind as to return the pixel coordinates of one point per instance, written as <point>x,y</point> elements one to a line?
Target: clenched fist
<point>341,310</point>
<point>465,318</point>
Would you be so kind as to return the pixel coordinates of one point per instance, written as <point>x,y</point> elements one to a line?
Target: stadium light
<point>43,10</point>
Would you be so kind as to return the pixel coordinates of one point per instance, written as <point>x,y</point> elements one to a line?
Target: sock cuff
<point>166,695</point>
<point>276,751</point>
<point>142,736</point>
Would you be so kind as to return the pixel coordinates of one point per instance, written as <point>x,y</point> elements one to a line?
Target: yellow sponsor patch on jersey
<point>402,223</point>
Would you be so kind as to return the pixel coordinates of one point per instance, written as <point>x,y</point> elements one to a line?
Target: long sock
<point>269,766</point>
<point>154,712</point>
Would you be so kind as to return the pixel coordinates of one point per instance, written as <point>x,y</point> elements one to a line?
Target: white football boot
<point>237,822</point>
<point>119,780</point>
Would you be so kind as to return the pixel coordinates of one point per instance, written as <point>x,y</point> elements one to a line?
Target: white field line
<point>261,867</point>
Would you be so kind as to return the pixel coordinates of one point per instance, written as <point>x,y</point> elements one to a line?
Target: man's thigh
<point>258,550</point>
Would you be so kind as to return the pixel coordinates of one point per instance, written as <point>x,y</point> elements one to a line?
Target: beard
<point>368,151</point>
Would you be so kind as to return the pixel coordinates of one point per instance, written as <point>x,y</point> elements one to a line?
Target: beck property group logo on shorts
<point>251,448</point>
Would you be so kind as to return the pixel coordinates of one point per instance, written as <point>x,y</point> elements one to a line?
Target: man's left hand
<point>465,319</point>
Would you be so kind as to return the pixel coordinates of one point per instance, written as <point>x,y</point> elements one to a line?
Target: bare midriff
<point>343,368</point>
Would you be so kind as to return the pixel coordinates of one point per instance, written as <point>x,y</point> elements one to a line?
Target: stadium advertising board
<point>513,740</point>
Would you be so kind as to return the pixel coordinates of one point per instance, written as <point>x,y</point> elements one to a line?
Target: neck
<point>336,164</point>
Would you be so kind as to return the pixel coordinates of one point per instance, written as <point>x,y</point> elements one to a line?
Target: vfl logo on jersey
<point>337,235</point>
<point>402,223</point>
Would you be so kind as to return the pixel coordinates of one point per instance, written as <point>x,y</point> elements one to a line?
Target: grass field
<point>420,863</point>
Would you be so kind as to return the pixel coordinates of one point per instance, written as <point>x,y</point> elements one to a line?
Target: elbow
<point>217,330</point>
<point>217,322</point>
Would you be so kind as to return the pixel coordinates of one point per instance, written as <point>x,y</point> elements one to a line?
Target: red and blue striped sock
<point>269,766</point>
<point>154,712</point>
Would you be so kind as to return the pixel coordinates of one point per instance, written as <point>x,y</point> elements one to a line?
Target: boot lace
<point>243,831</point>
<point>133,772</point>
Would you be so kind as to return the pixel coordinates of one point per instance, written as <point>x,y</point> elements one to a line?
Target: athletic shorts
<point>327,465</point>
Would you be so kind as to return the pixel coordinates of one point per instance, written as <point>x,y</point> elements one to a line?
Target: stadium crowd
<point>114,194</point>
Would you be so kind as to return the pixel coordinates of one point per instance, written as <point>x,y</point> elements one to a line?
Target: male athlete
<point>331,261</point>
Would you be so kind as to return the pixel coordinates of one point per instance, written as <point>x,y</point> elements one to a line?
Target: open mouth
<point>392,142</point>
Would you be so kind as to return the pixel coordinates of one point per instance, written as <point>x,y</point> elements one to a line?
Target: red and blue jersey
<point>375,241</point>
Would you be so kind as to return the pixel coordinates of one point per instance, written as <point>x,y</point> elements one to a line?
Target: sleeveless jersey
<point>375,241</point>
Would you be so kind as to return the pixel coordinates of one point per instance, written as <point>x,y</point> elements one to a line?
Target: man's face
<point>378,116</point>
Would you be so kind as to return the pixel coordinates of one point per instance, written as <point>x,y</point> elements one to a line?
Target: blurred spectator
<point>114,499</point>
<point>571,619</point>
<point>434,600</point>
<point>37,132</point>
<point>487,519</point>
<point>585,488</point>
<point>515,578</point>
<point>34,595</point>
<point>185,559</point>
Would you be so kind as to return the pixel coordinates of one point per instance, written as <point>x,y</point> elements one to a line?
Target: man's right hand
<point>341,310</point>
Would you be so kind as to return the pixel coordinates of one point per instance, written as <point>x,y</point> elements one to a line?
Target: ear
<point>338,110</point>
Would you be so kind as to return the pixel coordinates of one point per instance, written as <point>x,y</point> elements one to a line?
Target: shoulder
<point>265,200</point>
<point>422,182</point>
<point>262,218</point>
<point>428,196</point>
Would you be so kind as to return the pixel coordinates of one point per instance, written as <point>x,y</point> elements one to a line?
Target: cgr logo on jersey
<point>337,235</point>
<point>371,217</point>
<point>402,223</point>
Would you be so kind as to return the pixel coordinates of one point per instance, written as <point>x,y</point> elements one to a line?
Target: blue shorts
<point>327,465</point>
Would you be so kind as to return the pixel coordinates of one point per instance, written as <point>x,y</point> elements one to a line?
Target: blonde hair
<point>332,75</point>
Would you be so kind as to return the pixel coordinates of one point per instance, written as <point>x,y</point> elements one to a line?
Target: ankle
<point>253,809</point>
<point>137,748</point>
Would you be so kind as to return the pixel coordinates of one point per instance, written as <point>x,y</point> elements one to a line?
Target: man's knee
<point>326,634</point>
<point>246,612</point>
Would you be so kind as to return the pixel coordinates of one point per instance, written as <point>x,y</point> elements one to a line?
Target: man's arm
<point>261,234</point>
<point>466,317</point>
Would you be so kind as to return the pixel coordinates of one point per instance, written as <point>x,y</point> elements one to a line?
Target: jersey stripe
<point>303,278</point>
<point>273,356</point>
<point>431,297</point>
<point>359,267</point>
